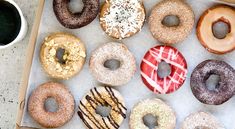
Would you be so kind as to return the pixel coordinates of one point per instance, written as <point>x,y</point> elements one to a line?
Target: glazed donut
<point>201,120</point>
<point>63,98</point>
<point>173,34</point>
<point>102,96</point>
<point>122,18</point>
<point>225,88</point>
<point>166,118</point>
<point>205,33</point>
<point>73,56</point>
<point>116,51</point>
<point>78,19</point>
<point>149,67</point>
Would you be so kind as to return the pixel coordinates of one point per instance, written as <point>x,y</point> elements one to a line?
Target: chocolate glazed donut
<point>78,19</point>
<point>226,85</point>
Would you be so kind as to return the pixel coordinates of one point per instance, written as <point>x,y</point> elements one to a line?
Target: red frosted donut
<point>149,67</point>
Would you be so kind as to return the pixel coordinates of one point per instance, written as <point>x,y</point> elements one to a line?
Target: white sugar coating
<point>123,17</point>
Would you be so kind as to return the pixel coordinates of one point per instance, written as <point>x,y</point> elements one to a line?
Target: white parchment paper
<point>182,101</point>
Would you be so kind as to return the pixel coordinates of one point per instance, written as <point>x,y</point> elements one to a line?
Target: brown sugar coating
<point>219,13</point>
<point>174,34</point>
<point>63,98</point>
<point>74,55</point>
<point>102,96</point>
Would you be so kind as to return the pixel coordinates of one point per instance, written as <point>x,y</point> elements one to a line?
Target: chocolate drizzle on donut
<point>96,98</point>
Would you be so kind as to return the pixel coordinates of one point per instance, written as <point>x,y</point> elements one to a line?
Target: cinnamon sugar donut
<point>166,118</point>
<point>201,120</point>
<point>122,18</point>
<point>173,34</point>
<point>63,98</point>
<point>102,96</point>
<point>112,51</point>
<point>220,13</point>
<point>73,56</point>
<point>78,19</point>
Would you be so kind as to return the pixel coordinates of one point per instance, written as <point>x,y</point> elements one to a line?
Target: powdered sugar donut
<point>201,120</point>
<point>122,18</point>
<point>113,51</point>
<point>149,67</point>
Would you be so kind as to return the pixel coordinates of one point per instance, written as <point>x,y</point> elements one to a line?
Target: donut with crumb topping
<point>122,18</point>
<point>62,55</point>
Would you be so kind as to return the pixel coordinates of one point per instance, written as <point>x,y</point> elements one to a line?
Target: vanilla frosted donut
<point>63,98</point>
<point>122,18</point>
<point>102,96</point>
<point>172,34</point>
<point>109,51</point>
<point>73,56</point>
<point>201,120</point>
<point>165,115</point>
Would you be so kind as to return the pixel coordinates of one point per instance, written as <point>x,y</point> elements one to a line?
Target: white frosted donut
<point>165,115</point>
<point>201,120</point>
<point>110,51</point>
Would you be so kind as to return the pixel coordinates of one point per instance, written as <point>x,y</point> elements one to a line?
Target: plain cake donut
<point>219,13</point>
<point>102,96</point>
<point>225,88</point>
<point>73,57</point>
<point>166,118</point>
<point>78,19</point>
<point>112,51</point>
<point>173,34</point>
<point>201,120</point>
<point>63,98</point>
<point>122,18</point>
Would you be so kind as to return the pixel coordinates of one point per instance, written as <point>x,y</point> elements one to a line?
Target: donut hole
<point>202,127</point>
<point>51,105</point>
<point>61,55</point>
<point>112,64</point>
<point>103,111</point>
<point>212,82</point>
<point>171,21</point>
<point>164,69</point>
<point>150,121</point>
<point>76,6</point>
<point>220,29</point>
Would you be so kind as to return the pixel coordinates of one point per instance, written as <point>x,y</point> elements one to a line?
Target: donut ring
<point>74,55</point>
<point>172,34</point>
<point>225,89</point>
<point>63,98</point>
<point>78,19</point>
<point>149,67</point>
<point>110,51</point>
<point>201,120</point>
<point>122,18</point>
<point>102,96</point>
<point>166,118</point>
<point>221,13</point>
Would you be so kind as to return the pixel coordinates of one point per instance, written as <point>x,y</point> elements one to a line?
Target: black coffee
<point>10,22</point>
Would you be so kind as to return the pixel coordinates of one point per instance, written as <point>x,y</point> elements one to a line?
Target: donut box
<point>182,101</point>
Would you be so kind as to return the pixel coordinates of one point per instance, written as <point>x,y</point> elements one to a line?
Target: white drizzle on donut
<point>123,17</point>
<point>171,57</point>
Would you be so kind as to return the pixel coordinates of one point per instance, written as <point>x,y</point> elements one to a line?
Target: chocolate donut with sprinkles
<point>150,65</point>
<point>105,97</point>
<point>122,18</point>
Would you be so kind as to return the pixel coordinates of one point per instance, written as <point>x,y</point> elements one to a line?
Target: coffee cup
<point>13,26</point>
